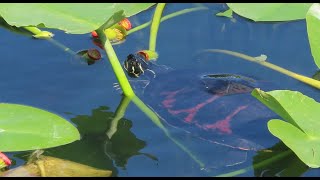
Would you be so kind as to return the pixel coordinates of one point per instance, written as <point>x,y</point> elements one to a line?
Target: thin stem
<point>155,26</point>
<point>304,79</point>
<point>169,16</point>
<point>116,66</point>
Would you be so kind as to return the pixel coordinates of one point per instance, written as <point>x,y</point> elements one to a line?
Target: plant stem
<point>258,165</point>
<point>33,30</point>
<point>304,79</point>
<point>155,26</point>
<point>169,16</point>
<point>116,66</point>
<point>119,113</point>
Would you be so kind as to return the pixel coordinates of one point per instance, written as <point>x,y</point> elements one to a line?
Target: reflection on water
<point>288,166</point>
<point>95,148</point>
<point>39,74</point>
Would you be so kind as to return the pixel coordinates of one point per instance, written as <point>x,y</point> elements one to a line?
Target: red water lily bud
<point>125,23</point>
<point>148,55</point>
<point>94,54</point>
<point>5,159</point>
<point>144,54</point>
<point>94,34</point>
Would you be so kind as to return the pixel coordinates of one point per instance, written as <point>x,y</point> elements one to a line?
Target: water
<point>37,73</point>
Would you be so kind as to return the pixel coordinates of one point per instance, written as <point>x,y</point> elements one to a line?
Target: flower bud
<point>125,23</point>
<point>94,34</point>
<point>148,55</point>
<point>4,160</point>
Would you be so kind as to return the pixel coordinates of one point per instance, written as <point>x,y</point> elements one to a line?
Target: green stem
<point>116,66</point>
<point>125,101</point>
<point>258,165</point>
<point>33,30</point>
<point>155,26</point>
<point>304,79</point>
<point>169,16</point>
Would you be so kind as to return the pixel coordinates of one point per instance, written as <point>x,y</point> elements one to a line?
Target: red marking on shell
<point>168,103</point>
<point>224,124</point>
<point>193,110</point>
<point>5,159</point>
<point>169,100</point>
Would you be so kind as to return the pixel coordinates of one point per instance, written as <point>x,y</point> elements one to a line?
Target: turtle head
<point>135,65</point>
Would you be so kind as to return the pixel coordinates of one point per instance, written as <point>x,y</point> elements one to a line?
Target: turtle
<point>216,107</point>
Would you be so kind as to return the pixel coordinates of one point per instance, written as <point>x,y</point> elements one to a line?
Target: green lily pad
<point>28,128</point>
<point>271,11</point>
<point>313,27</point>
<point>75,18</point>
<point>301,131</point>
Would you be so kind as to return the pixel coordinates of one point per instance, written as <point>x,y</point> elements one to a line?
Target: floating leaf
<point>271,11</point>
<point>75,18</point>
<point>313,27</point>
<point>301,131</point>
<point>228,13</point>
<point>27,128</point>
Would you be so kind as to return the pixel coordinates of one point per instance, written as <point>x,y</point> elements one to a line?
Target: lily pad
<point>28,128</point>
<point>271,11</point>
<point>301,131</point>
<point>313,27</point>
<point>75,18</point>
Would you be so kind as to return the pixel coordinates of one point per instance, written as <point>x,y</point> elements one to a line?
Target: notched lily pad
<point>301,131</point>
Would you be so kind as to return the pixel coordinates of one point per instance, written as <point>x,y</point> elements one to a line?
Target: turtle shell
<point>217,108</point>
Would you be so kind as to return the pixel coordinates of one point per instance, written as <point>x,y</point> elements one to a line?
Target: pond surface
<point>37,73</point>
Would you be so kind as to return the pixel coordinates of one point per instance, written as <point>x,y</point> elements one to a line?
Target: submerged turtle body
<point>217,108</point>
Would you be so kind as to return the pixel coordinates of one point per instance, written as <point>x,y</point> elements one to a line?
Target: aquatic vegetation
<point>108,25</point>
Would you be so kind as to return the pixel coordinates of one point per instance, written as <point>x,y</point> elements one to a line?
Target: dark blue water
<point>37,73</point>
